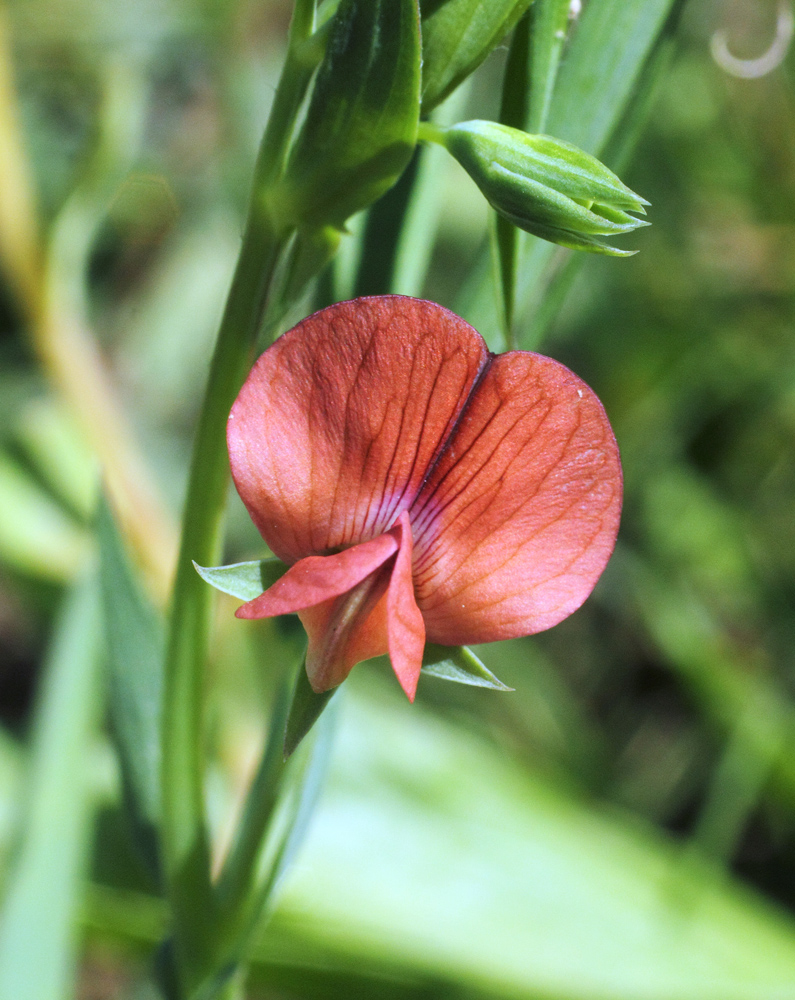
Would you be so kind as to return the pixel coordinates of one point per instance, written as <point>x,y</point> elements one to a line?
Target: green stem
<point>299,65</point>
<point>236,877</point>
<point>185,841</point>
<point>431,132</point>
<point>505,236</point>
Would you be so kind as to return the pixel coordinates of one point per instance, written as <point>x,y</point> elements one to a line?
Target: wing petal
<point>317,579</point>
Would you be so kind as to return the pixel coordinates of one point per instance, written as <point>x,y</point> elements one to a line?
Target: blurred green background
<point>623,825</point>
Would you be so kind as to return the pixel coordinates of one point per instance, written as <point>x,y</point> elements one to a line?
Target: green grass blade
<point>135,685</point>
<point>596,84</point>
<point>549,20</point>
<point>37,537</point>
<point>37,936</point>
<point>457,35</point>
<point>603,63</point>
<point>414,244</point>
<point>505,236</point>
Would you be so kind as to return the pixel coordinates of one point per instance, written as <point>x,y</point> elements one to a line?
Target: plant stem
<point>505,236</point>
<point>431,132</point>
<point>241,860</point>
<point>185,840</point>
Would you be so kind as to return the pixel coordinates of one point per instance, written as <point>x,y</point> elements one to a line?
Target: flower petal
<point>317,579</point>
<point>405,627</point>
<point>341,419</point>
<point>519,516</point>
<point>340,600</point>
<point>344,631</point>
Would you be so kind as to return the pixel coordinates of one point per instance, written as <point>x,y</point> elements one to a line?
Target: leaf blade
<point>37,939</point>
<point>592,90</point>
<point>457,35</point>
<point>135,685</point>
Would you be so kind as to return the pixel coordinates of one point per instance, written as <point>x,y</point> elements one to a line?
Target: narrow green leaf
<point>135,685</point>
<point>305,709</point>
<point>380,237</point>
<point>505,248</point>
<point>52,440</point>
<point>594,88</point>
<point>417,238</point>
<point>459,664</point>
<point>621,145</point>
<point>37,923</point>
<point>36,536</point>
<point>603,64</point>
<point>361,124</point>
<point>311,251</point>
<point>457,35</point>
<point>245,580</point>
<point>549,20</point>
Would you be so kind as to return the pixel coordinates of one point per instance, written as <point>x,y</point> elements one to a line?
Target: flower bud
<point>546,186</point>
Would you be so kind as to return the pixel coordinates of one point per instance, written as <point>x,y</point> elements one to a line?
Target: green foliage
<point>38,922</point>
<point>361,124</point>
<point>457,35</point>
<point>631,803</point>
<point>592,92</point>
<point>549,23</point>
<point>553,875</point>
<point>37,536</point>
<point>134,638</point>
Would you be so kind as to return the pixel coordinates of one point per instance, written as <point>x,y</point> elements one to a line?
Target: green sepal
<point>306,707</point>
<point>361,123</point>
<point>457,35</point>
<point>245,580</point>
<point>576,241</point>
<point>459,664</point>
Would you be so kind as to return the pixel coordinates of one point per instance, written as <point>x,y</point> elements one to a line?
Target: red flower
<point>419,486</point>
